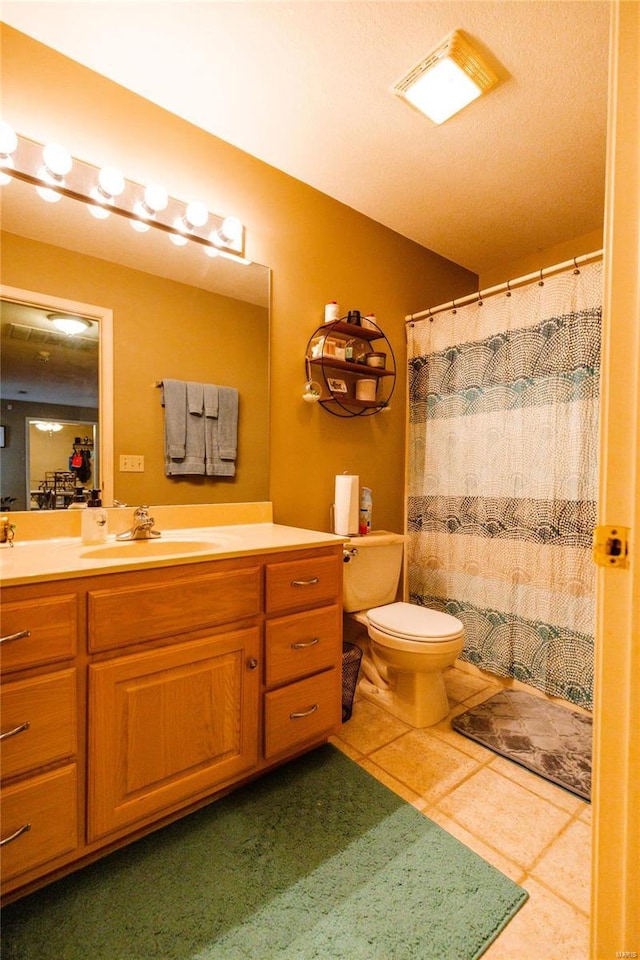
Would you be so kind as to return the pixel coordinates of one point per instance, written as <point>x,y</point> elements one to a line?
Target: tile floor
<point>533,831</point>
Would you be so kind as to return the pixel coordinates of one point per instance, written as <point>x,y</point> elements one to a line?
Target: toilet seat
<point>408,621</point>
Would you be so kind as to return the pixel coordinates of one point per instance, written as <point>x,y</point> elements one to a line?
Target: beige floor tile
<point>400,788</point>
<point>566,866</point>
<point>519,823</point>
<point>370,727</point>
<point>346,748</point>
<point>428,765</point>
<point>536,784</point>
<point>460,686</point>
<point>488,853</point>
<point>545,928</point>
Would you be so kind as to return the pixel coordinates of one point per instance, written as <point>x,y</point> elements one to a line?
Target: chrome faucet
<point>142,527</point>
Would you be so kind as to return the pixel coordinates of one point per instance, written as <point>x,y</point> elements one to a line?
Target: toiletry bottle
<point>94,520</point>
<point>366,508</point>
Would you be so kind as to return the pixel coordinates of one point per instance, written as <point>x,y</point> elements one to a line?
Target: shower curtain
<point>502,484</point>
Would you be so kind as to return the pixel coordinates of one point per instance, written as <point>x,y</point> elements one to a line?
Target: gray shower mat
<point>542,736</point>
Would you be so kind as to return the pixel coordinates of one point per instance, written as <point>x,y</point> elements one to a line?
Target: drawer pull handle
<point>305,583</point>
<point>16,636</point>
<point>303,713</point>
<point>16,730</point>
<point>14,836</point>
<point>307,643</point>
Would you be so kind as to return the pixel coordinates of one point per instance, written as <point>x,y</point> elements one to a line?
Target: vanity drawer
<point>48,705</point>
<point>48,804</point>
<point>302,643</point>
<point>50,625</point>
<point>301,712</point>
<point>303,583</point>
<point>135,614</point>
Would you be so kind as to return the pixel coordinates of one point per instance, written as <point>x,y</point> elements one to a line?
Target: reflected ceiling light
<point>47,427</point>
<point>69,324</point>
<point>111,184</point>
<point>451,76</point>
<point>8,145</point>
<point>57,164</point>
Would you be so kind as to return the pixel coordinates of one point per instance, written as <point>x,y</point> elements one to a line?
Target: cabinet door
<point>169,725</point>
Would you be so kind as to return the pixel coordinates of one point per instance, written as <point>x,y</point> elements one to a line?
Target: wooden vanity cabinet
<point>151,692</point>
<point>41,772</point>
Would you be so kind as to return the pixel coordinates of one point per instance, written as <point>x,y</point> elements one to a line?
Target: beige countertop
<point>59,558</point>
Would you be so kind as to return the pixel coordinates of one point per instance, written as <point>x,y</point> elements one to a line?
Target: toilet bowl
<point>407,646</point>
<point>410,646</point>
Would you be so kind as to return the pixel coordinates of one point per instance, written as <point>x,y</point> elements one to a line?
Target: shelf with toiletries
<point>350,368</point>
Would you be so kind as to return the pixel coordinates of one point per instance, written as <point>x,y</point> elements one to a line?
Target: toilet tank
<point>371,575</point>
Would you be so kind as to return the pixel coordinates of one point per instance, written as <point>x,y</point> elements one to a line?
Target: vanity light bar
<point>144,207</point>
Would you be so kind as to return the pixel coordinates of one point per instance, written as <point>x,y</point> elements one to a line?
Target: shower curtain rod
<point>508,286</point>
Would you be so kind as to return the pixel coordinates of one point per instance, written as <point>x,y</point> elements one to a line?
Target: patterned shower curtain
<point>502,485</point>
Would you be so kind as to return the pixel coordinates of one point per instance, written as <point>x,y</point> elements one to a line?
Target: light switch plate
<point>131,463</point>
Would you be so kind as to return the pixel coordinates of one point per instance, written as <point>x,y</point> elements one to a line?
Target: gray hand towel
<point>195,398</point>
<point>174,401</point>
<point>227,423</point>
<point>210,400</point>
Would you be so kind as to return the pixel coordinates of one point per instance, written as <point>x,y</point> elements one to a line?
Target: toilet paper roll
<point>347,505</point>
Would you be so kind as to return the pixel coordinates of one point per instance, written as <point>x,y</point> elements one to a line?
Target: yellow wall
<point>549,257</point>
<point>318,250</point>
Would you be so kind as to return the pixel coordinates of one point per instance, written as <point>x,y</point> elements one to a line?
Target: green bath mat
<point>314,861</point>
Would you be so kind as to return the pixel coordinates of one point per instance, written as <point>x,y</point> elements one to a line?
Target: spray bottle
<point>366,509</point>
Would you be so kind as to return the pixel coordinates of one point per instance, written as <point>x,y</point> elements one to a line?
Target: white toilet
<point>408,646</point>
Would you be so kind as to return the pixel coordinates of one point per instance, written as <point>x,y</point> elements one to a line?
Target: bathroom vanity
<point>136,688</point>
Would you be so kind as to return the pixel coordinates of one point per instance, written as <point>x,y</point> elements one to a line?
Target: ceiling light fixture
<point>47,427</point>
<point>55,173</point>
<point>450,77</point>
<point>69,324</point>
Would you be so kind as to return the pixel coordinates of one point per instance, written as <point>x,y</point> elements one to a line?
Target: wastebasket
<point>351,657</point>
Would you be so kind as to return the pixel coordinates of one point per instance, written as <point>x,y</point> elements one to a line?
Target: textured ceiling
<point>305,87</point>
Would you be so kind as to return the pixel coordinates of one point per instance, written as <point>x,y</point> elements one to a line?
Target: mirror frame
<point>104,317</point>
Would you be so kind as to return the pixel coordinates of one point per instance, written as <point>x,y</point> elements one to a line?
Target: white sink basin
<point>147,549</point>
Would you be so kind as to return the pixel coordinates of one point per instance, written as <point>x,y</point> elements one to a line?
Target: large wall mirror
<point>155,311</point>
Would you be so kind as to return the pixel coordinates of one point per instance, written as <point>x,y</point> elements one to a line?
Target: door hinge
<point>611,546</point>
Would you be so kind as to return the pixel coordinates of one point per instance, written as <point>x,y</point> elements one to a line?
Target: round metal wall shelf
<point>327,364</point>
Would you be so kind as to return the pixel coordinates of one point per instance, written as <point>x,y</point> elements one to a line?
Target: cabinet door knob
<point>252,663</point>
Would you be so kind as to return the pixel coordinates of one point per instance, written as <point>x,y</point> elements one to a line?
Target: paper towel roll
<point>347,505</point>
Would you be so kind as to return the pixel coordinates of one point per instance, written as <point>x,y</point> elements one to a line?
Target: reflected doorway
<point>61,458</point>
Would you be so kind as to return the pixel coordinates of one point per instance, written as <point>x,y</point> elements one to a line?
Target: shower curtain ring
<point>576,271</point>
<point>541,281</point>
<point>480,301</point>
<point>508,293</point>
<point>430,316</point>
<point>455,309</point>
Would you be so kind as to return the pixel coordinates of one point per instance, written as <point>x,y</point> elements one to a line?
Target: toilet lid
<point>412,622</point>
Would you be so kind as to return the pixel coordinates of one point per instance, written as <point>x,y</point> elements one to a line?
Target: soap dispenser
<point>94,520</point>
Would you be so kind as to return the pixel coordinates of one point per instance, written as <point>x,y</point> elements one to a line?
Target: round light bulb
<point>178,239</point>
<point>51,196</point>
<point>111,182</point>
<point>98,212</point>
<point>8,139</point>
<point>139,226</point>
<point>57,160</point>
<point>231,229</point>
<point>155,198</point>
<point>6,163</point>
<point>196,214</point>
<point>210,251</point>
